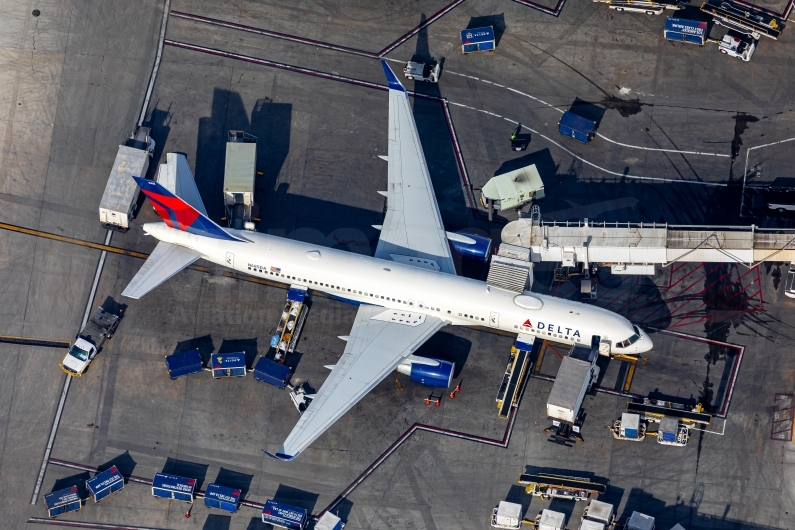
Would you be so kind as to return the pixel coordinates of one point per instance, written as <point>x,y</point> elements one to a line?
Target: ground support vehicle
<point>743,18</point>
<point>99,328</point>
<point>648,7</point>
<point>549,486</point>
<point>598,515</point>
<point>239,174</point>
<point>427,72</point>
<point>576,375</point>
<point>737,45</point>
<point>672,432</point>
<point>292,321</point>
<point>629,427</point>
<point>507,515</point>
<point>121,192</point>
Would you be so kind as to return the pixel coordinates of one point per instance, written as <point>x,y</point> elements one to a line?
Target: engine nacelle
<point>429,372</point>
<point>471,246</point>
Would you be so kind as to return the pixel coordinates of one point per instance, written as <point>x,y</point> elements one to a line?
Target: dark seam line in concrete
<point>84,524</point>
<point>26,341</point>
<point>506,438</point>
<point>433,18</point>
<point>465,183</point>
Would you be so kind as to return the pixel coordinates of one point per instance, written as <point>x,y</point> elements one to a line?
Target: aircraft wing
<point>163,263</point>
<point>379,341</point>
<point>175,175</point>
<point>412,232</point>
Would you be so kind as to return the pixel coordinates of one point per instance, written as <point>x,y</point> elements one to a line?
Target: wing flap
<point>413,225</point>
<point>374,348</point>
<point>163,263</point>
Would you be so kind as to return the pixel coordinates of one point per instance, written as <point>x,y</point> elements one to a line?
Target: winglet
<point>280,456</point>
<point>394,83</point>
<point>179,214</point>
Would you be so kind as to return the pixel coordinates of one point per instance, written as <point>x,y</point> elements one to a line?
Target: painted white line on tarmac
<point>677,151</point>
<point>578,157</point>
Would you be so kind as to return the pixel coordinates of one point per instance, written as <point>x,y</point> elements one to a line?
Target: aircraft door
<point>494,319</point>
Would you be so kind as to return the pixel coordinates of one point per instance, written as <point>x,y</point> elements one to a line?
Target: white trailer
<point>118,203</point>
<point>239,175</point>
<point>507,515</point>
<point>577,373</point>
<point>550,520</point>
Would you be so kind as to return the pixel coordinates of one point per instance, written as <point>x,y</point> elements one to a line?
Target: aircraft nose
<point>645,341</point>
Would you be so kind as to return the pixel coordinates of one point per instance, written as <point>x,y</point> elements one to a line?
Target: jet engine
<point>430,372</point>
<point>470,246</point>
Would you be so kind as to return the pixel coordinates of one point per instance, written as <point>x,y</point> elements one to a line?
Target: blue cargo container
<point>184,363</point>
<point>221,497</point>
<point>577,127</point>
<point>173,487</point>
<point>478,40</point>
<point>63,501</point>
<point>105,483</point>
<point>284,515</point>
<point>272,372</point>
<point>228,364</point>
<point>682,30</point>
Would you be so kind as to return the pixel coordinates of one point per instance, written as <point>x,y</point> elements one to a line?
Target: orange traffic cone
<point>427,400</point>
<point>452,394</point>
<point>438,401</point>
<point>457,388</point>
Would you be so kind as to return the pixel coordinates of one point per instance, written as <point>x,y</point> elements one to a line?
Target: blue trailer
<point>577,127</point>
<point>63,501</point>
<point>184,363</point>
<point>284,516</point>
<point>105,483</point>
<point>683,30</point>
<point>221,497</point>
<point>168,486</point>
<point>478,40</point>
<point>272,373</point>
<point>228,364</point>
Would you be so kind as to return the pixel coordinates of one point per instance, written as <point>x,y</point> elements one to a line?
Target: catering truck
<point>118,203</point>
<point>239,175</point>
<point>577,373</point>
<point>99,328</point>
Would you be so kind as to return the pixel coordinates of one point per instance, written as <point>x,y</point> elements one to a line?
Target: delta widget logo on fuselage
<point>552,328</point>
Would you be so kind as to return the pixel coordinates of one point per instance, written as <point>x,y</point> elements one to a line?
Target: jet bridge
<point>636,248</point>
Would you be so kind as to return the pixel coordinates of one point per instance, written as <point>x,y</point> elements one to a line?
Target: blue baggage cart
<point>184,363</point>
<point>682,30</point>
<point>221,497</point>
<point>228,364</point>
<point>284,515</point>
<point>478,40</point>
<point>577,127</point>
<point>63,501</point>
<point>272,373</point>
<point>105,483</point>
<point>173,487</point>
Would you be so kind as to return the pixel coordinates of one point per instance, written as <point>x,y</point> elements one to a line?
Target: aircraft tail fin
<point>179,214</point>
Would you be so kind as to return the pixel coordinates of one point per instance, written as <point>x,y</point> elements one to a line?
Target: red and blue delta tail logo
<point>179,214</point>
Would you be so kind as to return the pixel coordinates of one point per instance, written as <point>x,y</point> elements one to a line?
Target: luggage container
<point>640,521</point>
<point>173,487</point>
<point>63,501</point>
<point>550,520</point>
<point>507,515</point>
<point>105,483</point>
<point>228,365</point>
<point>597,515</point>
<point>272,373</point>
<point>682,30</point>
<point>629,427</point>
<point>672,432</point>
<point>579,128</point>
<point>284,515</point>
<point>184,363</point>
<point>478,40</point>
<point>329,521</point>
<point>221,497</point>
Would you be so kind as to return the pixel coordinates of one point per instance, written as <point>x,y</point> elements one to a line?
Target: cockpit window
<point>630,341</point>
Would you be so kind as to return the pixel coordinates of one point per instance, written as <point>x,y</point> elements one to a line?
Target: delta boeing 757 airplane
<point>407,292</point>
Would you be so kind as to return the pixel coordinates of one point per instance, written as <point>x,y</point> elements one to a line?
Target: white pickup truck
<point>99,328</point>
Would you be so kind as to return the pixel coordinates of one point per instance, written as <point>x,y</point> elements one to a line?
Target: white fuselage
<point>455,299</point>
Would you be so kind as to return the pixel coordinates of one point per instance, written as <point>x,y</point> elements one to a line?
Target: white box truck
<point>577,373</point>
<point>121,192</point>
<point>239,174</point>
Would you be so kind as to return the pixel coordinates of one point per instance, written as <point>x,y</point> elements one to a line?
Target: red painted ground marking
<point>686,275</point>
<point>554,350</point>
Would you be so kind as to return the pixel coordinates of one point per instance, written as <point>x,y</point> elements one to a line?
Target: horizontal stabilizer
<point>163,263</point>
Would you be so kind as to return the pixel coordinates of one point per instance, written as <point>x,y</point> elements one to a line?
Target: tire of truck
<point>780,210</point>
<point>723,51</point>
<point>619,9</point>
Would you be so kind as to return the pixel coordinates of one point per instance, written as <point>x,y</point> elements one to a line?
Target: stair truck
<point>99,328</point>
<point>121,192</point>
